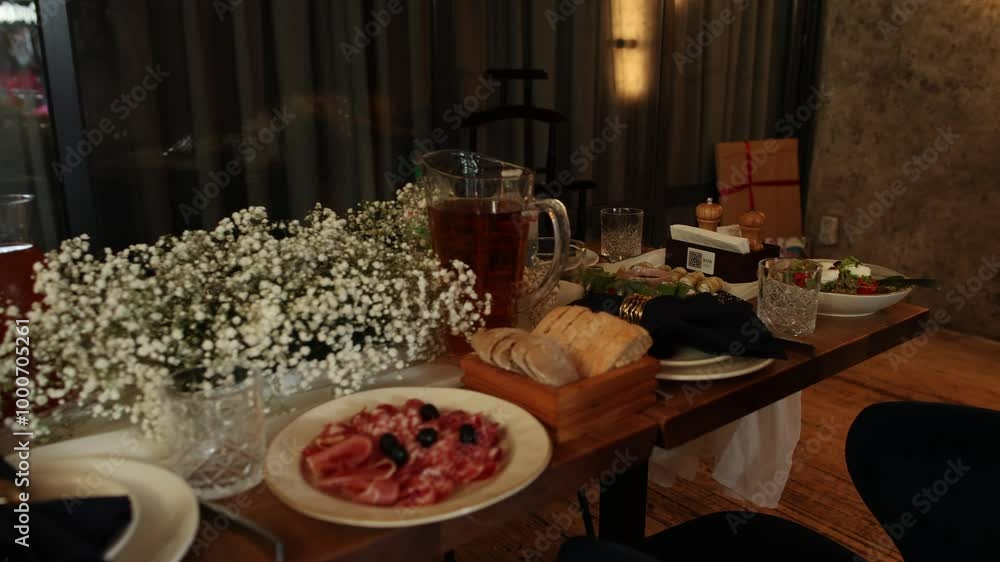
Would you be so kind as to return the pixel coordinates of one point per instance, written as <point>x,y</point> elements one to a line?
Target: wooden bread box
<point>570,410</point>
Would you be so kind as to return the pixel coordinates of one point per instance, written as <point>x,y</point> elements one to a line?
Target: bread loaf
<point>598,342</point>
<point>539,357</point>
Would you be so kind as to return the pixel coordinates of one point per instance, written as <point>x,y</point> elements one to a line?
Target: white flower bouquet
<point>327,297</point>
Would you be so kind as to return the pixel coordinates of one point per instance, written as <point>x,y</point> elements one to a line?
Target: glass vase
<point>216,436</point>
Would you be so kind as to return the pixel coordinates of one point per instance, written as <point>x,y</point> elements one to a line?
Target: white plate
<point>734,367</point>
<point>525,445</point>
<point>165,516</point>
<point>850,306</point>
<point>590,258</point>
<point>691,357</point>
<point>54,481</point>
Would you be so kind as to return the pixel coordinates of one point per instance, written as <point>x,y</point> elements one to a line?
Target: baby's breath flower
<point>330,299</point>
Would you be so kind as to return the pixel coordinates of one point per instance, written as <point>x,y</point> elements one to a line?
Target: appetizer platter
<point>399,457</point>
<point>407,455</point>
<point>651,280</point>
<point>850,288</point>
<point>576,369</point>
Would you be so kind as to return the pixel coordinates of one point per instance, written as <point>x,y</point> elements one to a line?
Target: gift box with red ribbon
<point>761,175</point>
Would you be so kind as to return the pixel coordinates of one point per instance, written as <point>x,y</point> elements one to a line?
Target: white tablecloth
<point>751,457</point>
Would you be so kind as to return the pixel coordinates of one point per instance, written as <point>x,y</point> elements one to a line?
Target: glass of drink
<point>481,212</point>
<point>18,256</point>
<point>788,295</point>
<point>17,253</point>
<point>621,233</point>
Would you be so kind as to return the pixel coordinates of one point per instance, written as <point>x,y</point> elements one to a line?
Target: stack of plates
<point>689,364</point>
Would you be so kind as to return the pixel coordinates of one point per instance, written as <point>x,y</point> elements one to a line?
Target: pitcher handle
<point>560,223</point>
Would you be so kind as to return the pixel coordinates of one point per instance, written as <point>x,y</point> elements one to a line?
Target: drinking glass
<point>18,256</point>
<point>216,437</point>
<point>17,252</point>
<point>621,233</point>
<point>788,295</point>
<point>481,210</point>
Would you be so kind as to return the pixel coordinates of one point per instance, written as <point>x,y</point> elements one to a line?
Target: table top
<point>695,409</point>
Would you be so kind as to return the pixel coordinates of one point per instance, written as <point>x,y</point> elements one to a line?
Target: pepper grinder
<point>750,224</point>
<point>708,214</point>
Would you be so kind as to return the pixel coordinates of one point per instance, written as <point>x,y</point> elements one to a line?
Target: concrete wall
<point>907,152</point>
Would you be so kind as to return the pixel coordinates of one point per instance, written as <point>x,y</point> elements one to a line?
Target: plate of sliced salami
<point>405,456</point>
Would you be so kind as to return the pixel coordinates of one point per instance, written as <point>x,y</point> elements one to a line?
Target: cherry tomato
<point>867,287</point>
<point>800,278</point>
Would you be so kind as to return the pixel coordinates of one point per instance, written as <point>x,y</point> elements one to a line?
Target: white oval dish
<point>525,443</point>
<point>850,306</point>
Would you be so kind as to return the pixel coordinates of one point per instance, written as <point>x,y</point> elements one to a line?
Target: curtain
<point>367,90</point>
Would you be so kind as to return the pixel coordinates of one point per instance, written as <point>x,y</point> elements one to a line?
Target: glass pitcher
<point>481,212</point>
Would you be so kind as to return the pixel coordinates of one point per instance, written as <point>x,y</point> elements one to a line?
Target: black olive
<point>427,436</point>
<point>399,455</point>
<point>467,433</point>
<point>428,412</point>
<point>388,442</point>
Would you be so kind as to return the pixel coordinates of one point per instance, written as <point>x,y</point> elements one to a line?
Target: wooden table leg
<point>623,506</point>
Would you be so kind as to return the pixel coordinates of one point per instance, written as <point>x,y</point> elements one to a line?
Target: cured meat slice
<point>346,459</point>
<point>344,455</point>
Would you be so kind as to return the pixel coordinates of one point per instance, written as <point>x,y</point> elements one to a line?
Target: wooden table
<point>693,411</point>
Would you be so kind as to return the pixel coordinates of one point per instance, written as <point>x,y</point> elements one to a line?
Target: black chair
<point>727,535</point>
<point>552,186</point>
<point>929,473</point>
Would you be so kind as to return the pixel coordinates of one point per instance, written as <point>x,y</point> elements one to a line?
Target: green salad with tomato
<point>851,277</point>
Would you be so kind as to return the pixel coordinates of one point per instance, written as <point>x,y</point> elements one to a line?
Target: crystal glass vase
<point>216,435</point>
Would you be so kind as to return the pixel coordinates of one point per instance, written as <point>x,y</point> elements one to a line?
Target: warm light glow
<point>631,22</point>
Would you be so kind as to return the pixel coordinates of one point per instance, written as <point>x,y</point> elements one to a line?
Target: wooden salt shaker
<point>750,224</point>
<point>708,214</point>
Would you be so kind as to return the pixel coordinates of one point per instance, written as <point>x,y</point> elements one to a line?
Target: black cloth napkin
<point>71,530</point>
<point>710,323</point>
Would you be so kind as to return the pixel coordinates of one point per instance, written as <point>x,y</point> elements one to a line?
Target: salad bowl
<point>836,304</point>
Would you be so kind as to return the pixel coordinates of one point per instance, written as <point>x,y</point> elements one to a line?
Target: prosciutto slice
<point>345,459</point>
